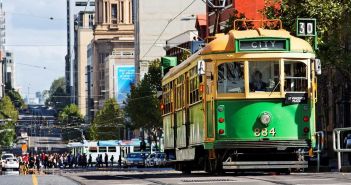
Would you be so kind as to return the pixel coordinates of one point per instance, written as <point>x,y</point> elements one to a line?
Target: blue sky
<point>35,40</point>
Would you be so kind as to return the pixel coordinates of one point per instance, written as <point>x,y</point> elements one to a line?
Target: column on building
<point>113,45</point>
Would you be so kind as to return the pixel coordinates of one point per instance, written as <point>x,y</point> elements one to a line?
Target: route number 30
<point>264,132</point>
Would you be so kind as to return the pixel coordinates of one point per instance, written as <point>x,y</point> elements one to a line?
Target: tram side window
<point>167,98</point>
<point>180,92</point>
<point>231,78</point>
<point>295,76</point>
<point>111,149</point>
<point>102,149</point>
<point>92,149</point>
<point>194,83</point>
<point>264,76</point>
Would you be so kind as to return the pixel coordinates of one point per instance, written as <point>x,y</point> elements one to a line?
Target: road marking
<point>34,179</point>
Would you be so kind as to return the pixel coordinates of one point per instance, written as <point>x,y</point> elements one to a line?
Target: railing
<point>319,147</point>
<point>336,144</point>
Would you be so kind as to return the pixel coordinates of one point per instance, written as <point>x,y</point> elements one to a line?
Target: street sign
<point>24,148</point>
<point>306,27</point>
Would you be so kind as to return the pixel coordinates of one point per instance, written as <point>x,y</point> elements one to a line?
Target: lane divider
<point>34,179</point>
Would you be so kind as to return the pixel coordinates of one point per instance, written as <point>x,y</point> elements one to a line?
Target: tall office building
<point>73,8</point>
<point>2,47</point>
<point>83,34</point>
<point>113,46</point>
<point>156,21</point>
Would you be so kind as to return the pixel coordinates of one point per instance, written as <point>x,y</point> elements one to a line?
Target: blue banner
<point>125,78</point>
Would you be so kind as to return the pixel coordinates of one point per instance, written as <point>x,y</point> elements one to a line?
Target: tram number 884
<point>264,132</point>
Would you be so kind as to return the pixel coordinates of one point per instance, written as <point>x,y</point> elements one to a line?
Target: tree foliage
<point>333,22</point>
<point>70,120</point>
<point>58,97</point>
<point>108,123</point>
<point>143,105</point>
<point>8,117</point>
<point>16,98</point>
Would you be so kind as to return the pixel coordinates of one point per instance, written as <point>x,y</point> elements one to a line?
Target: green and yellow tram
<point>244,101</point>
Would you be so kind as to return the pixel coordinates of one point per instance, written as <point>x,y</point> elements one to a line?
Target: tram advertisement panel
<point>125,76</point>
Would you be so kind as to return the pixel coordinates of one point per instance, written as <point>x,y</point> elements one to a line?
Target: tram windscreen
<point>295,76</point>
<point>264,76</point>
<point>231,77</point>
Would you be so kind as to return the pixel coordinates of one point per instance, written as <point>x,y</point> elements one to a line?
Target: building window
<point>122,12</point>
<point>106,12</point>
<point>91,20</point>
<point>114,13</point>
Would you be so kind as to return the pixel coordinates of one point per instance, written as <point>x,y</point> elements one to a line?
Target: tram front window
<point>295,76</point>
<point>231,77</point>
<point>264,76</point>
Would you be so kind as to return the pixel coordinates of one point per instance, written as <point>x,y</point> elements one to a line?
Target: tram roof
<point>226,43</point>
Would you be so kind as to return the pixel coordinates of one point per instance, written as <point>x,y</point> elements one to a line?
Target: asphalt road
<point>35,180</point>
<point>165,177</point>
<point>168,176</point>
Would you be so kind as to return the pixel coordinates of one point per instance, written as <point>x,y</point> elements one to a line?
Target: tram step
<point>264,164</point>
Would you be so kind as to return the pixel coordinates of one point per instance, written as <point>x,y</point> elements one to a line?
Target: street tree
<point>143,105</point>
<point>16,98</point>
<point>108,123</point>
<point>8,117</point>
<point>334,35</point>
<point>58,98</point>
<point>70,121</point>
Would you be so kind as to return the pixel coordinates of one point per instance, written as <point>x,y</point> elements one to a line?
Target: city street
<point>168,176</point>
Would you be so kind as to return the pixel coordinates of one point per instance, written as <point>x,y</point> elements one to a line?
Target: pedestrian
<point>37,162</point>
<point>100,160</point>
<point>119,161</point>
<point>90,160</point>
<point>111,159</point>
<point>106,160</point>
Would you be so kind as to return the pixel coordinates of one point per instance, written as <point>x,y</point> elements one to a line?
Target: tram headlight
<point>265,118</point>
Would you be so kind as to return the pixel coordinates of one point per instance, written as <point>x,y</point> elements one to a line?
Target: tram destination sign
<point>264,44</point>
<point>295,98</point>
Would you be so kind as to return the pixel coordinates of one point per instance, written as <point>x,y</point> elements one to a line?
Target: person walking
<point>106,160</point>
<point>111,159</point>
<point>119,161</point>
<point>90,160</point>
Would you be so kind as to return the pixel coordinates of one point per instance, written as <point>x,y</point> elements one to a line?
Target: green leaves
<point>7,112</point>
<point>70,117</point>
<point>58,97</point>
<point>333,26</point>
<point>142,105</point>
<point>108,123</point>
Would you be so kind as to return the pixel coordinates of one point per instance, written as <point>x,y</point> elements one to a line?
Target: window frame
<point>254,95</point>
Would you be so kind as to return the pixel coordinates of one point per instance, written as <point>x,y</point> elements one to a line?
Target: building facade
<point>113,35</point>
<point>249,10</point>
<point>184,45</point>
<point>73,8</point>
<point>83,35</point>
<point>8,71</point>
<point>158,20</point>
<point>2,48</point>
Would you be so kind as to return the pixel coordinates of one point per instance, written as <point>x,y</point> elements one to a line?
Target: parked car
<point>11,164</point>
<point>160,159</point>
<point>136,159</point>
<point>4,156</point>
<point>150,160</point>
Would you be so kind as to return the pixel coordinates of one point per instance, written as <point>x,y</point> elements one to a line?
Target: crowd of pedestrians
<point>64,160</point>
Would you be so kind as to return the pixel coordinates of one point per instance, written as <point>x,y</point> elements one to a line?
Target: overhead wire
<point>164,29</point>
